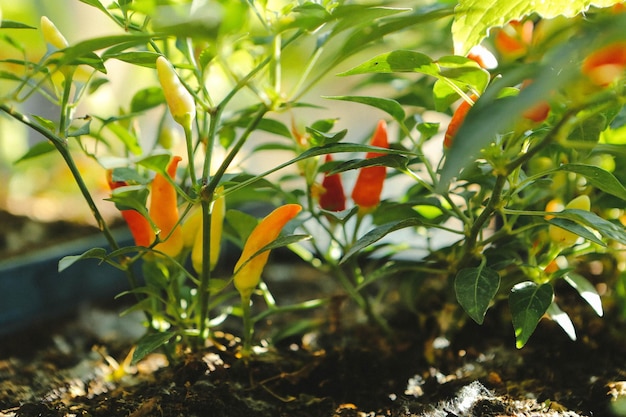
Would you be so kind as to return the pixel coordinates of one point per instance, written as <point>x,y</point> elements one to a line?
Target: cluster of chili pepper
<point>369,183</point>
<point>163,212</point>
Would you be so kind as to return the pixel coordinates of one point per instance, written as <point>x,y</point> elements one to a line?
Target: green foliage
<point>538,127</point>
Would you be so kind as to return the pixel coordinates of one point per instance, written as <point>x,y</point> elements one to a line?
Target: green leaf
<point>96,4</point>
<point>84,129</point>
<point>606,228</point>
<point>389,106</point>
<point>378,233</point>
<point>598,177</point>
<point>576,228</point>
<point>528,303</point>
<point>94,253</point>
<point>140,58</point>
<point>45,123</point>
<point>127,138</point>
<point>586,290</point>
<point>147,98</point>
<point>242,223</point>
<point>156,162</point>
<point>474,18</point>
<point>319,138</point>
<point>10,24</point>
<point>396,61</point>
<point>475,289</point>
<point>393,161</point>
<point>38,149</point>
<point>149,343</point>
<point>562,319</point>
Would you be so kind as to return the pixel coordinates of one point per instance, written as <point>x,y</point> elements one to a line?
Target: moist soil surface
<point>70,369</point>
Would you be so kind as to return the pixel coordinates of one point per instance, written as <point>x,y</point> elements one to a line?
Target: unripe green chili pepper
<point>180,102</point>
<point>248,269</point>
<point>164,211</point>
<point>332,197</point>
<point>138,225</point>
<point>561,236</point>
<point>369,183</point>
<point>52,35</point>
<point>218,212</point>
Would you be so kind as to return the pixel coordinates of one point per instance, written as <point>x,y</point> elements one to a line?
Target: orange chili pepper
<point>457,120</point>
<point>248,269</point>
<point>538,112</point>
<point>332,197</point>
<point>513,40</point>
<point>138,225</point>
<point>606,65</point>
<point>217,221</point>
<point>369,183</point>
<point>164,211</point>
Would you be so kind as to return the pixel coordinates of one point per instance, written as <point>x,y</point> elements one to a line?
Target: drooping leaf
<point>586,290</point>
<point>127,138</point>
<point>378,233</point>
<point>38,149</point>
<point>93,253</point>
<point>393,161</point>
<point>562,319</point>
<point>598,177</point>
<point>10,24</point>
<point>576,228</point>
<point>146,98</point>
<point>528,302</point>
<point>474,18</point>
<point>149,343</point>
<point>586,218</point>
<point>390,106</point>
<point>475,289</point>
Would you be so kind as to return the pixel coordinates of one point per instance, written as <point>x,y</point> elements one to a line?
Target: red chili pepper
<point>137,224</point>
<point>164,211</point>
<point>369,183</point>
<point>332,197</point>
<point>457,120</point>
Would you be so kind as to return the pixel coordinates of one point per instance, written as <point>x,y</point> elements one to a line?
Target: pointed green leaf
<point>474,18</point>
<point>392,161</point>
<point>126,137</point>
<point>586,290</point>
<point>475,289</point>
<point>599,178</point>
<point>528,302</point>
<point>149,343</point>
<point>94,253</point>
<point>147,98</point>
<point>40,148</point>
<point>396,61</point>
<point>10,24</point>
<point>586,218</point>
<point>576,228</point>
<point>389,106</point>
<point>562,319</point>
<point>378,233</point>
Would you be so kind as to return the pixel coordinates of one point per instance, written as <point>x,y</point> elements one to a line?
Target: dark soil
<point>67,370</point>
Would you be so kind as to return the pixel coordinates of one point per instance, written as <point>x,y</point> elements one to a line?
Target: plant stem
<point>248,327</point>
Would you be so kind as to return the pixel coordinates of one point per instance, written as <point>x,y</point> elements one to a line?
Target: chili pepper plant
<point>480,131</point>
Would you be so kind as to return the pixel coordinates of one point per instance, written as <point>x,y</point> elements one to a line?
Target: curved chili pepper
<point>457,120</point>
<point>369,183</point>
<point>138,225</point>
<point>332,196</point>
<point>250,265</point>
<point>164,211</point>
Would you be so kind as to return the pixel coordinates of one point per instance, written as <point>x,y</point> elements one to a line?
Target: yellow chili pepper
<point>248,269</point>
<point>164,211</point>
<point>217,220</point>
<point>180,102</point>
<point>51,34</point>
<point>561,236</point>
